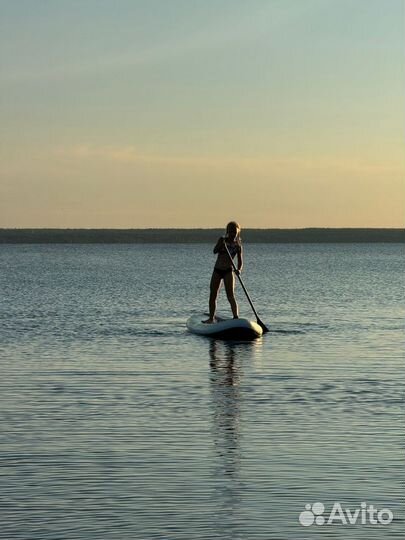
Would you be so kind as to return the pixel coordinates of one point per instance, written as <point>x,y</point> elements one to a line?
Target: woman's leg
<point>229,281</point>
<point>215,285</point>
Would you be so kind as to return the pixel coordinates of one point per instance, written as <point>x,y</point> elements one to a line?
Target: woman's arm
<point>219,245</point>
<point>240,260</point>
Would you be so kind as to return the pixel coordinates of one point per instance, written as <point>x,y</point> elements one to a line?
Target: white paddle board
<point>224,328</point>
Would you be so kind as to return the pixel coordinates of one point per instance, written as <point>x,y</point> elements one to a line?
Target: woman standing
<point>223,269</point>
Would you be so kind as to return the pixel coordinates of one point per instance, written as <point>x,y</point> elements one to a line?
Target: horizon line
<point>193,228</point>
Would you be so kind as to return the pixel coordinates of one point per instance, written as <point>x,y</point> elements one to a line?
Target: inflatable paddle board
<point>242,329</point>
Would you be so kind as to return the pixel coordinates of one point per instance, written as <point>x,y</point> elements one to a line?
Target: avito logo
<point>364,514</point>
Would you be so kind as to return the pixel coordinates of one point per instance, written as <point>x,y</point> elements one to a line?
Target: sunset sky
<point>169,113</point>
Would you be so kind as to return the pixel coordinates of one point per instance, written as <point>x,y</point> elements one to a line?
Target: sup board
<point>223,328</point>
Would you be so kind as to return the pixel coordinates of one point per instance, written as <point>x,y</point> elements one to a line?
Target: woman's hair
<point>233,228</point>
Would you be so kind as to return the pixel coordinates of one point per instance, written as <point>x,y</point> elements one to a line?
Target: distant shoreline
<point>180,236</point>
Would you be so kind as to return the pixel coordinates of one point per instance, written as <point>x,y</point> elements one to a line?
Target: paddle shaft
<point>245,291</point>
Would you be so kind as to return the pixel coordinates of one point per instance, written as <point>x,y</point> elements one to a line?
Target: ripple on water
<point>117,423</point>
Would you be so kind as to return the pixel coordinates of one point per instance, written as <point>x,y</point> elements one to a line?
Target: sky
<point>179,113</point>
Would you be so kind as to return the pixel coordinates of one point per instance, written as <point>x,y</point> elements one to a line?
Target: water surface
<point>118,423</point>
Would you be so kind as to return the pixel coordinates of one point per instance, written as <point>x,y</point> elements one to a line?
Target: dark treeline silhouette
<point>153,236</point>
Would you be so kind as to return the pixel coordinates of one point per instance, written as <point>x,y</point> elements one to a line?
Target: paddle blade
<point>264,327</point>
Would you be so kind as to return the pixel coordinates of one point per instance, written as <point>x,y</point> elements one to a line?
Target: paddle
<point>259,322</point>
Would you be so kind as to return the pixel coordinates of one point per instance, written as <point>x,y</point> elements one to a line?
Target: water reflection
<point>226,375</point>
<point>226,372</point>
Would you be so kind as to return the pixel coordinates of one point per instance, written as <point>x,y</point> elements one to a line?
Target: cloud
<point>259,165</point>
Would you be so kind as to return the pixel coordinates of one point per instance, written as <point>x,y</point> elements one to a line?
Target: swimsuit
<point>233,249</point>
<point>222,273</point>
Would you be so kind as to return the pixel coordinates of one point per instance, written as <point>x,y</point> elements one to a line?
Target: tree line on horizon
<point>146,236</point>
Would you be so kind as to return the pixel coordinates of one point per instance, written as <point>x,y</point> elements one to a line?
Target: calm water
<point>118,424</point>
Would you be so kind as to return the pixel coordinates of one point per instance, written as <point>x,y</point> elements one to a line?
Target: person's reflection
<point>226,362</point>
<point>225,379</point>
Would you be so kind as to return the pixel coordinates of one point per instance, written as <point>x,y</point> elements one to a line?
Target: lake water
<point>119,424</point>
